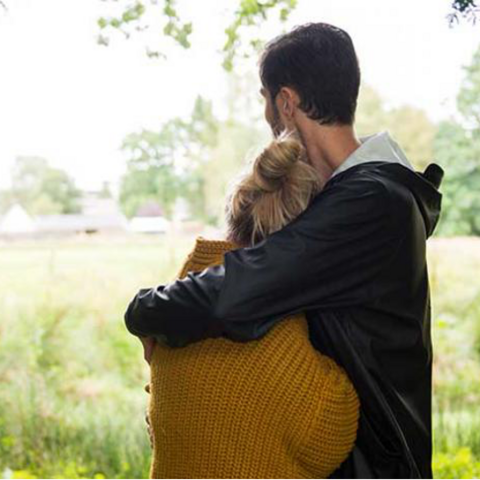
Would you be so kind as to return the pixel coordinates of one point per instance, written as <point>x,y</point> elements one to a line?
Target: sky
<point>72,101</point>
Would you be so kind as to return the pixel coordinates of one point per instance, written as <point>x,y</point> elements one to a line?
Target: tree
<point>42,189</point>
<point>468,100</point>
<point>164,165</point>
<point>197,158</point>
<point>134,15</point>
<point>410,126</point>
<point>457,149</point>
<point>458,152</point>
<point>464,8</point>
<point>415,133</point>
<point>133,18</point>
<point>105,192</point>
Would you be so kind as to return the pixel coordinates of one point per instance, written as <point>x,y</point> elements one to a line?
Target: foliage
<point>134,16</point>
<point>197,158</point>
<point>408,125</point>
<point>137,16</point>
<point>457,150</point>
<point>468,100</point>
<point>40,188</point>
<point>131,18</point>
<point>165,165</point>
<point>71,377</point>
<point>251,13</point>
<point>465,8</point>
<point>72,402</point>
<point>193,159</point>
<point>458,464</point>
<point>453,271</point>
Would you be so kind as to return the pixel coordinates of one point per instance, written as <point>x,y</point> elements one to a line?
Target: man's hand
<point>148,346</point>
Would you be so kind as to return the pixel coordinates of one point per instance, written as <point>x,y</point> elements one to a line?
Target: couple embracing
<point>299,345</point>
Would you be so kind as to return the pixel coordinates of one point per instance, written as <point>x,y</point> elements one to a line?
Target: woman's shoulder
<point>205,253</point>
<point>210,246</point>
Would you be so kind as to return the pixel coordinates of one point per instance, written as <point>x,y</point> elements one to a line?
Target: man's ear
<point>287,101</point>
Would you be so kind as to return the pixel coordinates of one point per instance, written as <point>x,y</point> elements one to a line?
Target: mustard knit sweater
<point>269,408</point>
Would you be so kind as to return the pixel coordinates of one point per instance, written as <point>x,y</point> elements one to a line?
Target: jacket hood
<point>380,147</point>
<point>424,186</point>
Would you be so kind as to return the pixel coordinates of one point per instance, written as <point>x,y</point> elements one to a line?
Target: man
<point>354,261</point>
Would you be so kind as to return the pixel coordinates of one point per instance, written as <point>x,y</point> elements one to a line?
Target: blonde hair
<point>277,189</point>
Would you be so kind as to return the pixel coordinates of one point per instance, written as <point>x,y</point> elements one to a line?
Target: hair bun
<point>277,189</point>
<point>274,164</point>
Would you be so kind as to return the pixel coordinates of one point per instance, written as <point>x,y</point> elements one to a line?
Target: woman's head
<point>277,189</point>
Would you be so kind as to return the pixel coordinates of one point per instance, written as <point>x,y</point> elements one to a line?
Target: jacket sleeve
<point>327,257</point>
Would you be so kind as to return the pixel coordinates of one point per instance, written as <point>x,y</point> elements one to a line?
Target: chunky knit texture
<point>269,408</point>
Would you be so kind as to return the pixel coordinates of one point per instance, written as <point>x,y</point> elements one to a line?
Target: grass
<point>72,402</point>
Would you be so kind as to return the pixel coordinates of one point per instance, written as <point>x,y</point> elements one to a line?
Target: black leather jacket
<point>355,262</point>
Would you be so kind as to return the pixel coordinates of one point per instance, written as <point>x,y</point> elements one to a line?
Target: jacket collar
<point>379,147</point>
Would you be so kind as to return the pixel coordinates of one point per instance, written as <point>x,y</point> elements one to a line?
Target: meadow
<point>72,399</point>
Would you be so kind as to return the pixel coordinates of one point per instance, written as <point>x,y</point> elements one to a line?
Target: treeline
<point>457,150</point>
<point>192,160</point>
<point>195,159</point>
<point>40,188</point>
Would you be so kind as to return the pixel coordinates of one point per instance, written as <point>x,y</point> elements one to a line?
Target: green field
<point>71,377</point>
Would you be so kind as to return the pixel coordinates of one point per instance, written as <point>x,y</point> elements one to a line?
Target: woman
<point>270,408</point>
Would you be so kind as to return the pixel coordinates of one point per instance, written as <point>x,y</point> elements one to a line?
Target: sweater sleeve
<point>333,428</point>
<point>327,257</point>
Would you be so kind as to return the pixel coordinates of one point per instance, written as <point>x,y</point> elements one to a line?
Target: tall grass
<point>72,402</point>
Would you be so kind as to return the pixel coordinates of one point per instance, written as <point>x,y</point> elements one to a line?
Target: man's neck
<point>328,146</point>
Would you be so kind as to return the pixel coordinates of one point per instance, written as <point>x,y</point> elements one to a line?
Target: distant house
<point>98,215</point>
<point>149,218</point>
<point>79,223</point>
<point>17,221</point>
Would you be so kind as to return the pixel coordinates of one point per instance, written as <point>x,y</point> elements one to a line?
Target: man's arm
<point>327,257</point>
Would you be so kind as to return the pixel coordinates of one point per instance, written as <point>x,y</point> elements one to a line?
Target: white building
<point>99,215</point>
<point>17,221</point>
<point>149,219</point>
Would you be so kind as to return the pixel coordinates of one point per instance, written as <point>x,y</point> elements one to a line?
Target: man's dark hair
<point>319,62</point>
